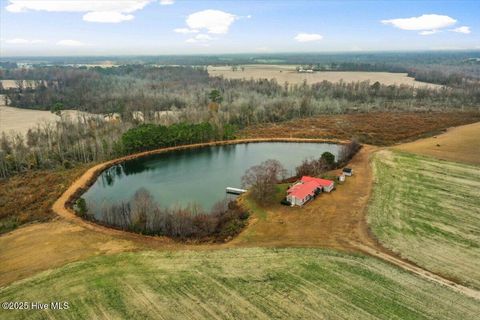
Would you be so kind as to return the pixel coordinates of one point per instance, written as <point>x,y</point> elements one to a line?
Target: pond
<point>195,175</point>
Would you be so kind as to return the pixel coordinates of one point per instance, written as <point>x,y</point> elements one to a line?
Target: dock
<point>235,190</point>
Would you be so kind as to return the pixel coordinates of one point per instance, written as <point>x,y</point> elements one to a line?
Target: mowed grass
<point>428,211</point>
<point>238,284</point>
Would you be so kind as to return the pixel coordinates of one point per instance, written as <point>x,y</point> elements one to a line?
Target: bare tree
<point>262,178</point>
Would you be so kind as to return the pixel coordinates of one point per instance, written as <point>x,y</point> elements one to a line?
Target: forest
<point>182,104</point>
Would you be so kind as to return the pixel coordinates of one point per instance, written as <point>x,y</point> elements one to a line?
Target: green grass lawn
<point>428,211</point>
<point>259,210</point>
<point>237,284</point>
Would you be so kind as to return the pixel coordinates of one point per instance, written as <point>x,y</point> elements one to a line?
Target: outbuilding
<point>347,171</point>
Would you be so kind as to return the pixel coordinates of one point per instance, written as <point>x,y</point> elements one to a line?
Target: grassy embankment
<point>428,210</point>
<point>238,283</point>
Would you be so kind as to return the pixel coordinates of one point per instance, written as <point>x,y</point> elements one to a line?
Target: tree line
<point>142,214</point>
<point>91,139</point>
<point>151,136</point>
<point>178,105</point>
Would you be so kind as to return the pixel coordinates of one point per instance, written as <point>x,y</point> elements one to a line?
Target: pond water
<point>197,175</point>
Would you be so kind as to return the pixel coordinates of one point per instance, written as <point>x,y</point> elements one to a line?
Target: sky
<point>151,27</point>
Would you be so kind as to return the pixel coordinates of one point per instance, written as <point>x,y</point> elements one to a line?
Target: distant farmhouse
<point>306,189</point>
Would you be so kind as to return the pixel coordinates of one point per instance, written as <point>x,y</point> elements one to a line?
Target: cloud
<point>70,43</point>
<point>212,21</point>
<point>23,41</point>
<point>106,11</point>
<point>185,30</point>
<point>166,2</point>
<point>428,32</point>
<point>308,37</point>
<point>426,23</point>
<point>463,29</point>
<point>200,38</point>
<point>107,17</point>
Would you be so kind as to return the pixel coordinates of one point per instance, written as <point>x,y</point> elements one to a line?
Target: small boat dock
<point>235,190</point>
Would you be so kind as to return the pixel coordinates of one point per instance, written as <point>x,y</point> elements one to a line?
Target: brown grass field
<point>460,144</point>
<point>19,120</point>
<point>287,73</point>
<point>377,128</point>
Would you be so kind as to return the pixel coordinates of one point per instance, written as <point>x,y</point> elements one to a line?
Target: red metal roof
<point>321,182</point>
<point>302,190</point>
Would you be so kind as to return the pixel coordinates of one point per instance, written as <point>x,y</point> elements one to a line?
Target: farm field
<point>289,74</point>
<point>377,128</point>
<point>239,283</point>
<point>461,144</point>
<point>427,211</point>
<point>19,120</point>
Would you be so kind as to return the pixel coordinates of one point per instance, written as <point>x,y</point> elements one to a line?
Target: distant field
<point>20,120</point>
<point>288,74</point>
<point>428,211</point>
<point>237,284</point>
<point>8,84</point>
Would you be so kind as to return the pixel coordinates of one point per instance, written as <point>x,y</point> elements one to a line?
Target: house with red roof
<point>306,189</point>
<point>327,185</point>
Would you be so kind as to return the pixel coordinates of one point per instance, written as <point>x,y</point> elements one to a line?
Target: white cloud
<point>463,29</point>
<point>200,38</point>
<point>213,21</point>
<point>185,30</point>
<point>308,37</point>
<point>426,23</point>
<point>23,41</point>
<point>106,11</point>
<point>166,2</point>
<point>428,32</point>
<point>70,43</point>
<point>107,17</point>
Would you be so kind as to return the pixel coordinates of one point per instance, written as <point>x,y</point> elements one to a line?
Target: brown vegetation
<point>460,144</point>
<point>142,214</point>
<point>29,197</point>
<point>377,128</point>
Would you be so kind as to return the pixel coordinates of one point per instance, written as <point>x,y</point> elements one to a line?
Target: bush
<point>328,158</point>
<point>81,207</point>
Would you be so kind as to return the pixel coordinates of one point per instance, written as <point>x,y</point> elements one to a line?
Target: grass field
<point>461,144</point>
<point>288,73</point>
<point>428,210</point>
<point>237,284</point>
<point>19,120</point>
